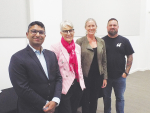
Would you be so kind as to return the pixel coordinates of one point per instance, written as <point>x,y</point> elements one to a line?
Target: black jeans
<point>91,93</point>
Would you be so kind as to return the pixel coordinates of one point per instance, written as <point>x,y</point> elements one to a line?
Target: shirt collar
<point>37,50</point>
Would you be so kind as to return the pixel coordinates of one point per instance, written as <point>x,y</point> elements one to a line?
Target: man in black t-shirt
<point>117,47</point>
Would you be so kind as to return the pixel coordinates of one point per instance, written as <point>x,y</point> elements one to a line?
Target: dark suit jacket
<point>30,81</point>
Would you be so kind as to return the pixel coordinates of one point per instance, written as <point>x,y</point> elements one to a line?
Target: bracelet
<point>126,73</point>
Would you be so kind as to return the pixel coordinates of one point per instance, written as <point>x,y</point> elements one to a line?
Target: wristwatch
<point>126,73</point>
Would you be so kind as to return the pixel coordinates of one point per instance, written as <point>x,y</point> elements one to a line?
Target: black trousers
<point>70,102</point>
<point>91,93</point>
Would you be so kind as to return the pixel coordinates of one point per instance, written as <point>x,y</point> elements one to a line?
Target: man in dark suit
<point>35,75</point>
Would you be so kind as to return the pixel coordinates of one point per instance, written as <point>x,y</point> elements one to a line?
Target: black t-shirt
<point>116,49</point>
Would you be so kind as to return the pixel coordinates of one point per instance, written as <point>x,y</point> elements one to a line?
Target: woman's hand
<point>104,83</point>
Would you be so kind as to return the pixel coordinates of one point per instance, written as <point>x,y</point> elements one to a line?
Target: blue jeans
<point>119,86</point>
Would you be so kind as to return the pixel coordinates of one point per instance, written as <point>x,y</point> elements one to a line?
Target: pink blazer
<point>63,62</point>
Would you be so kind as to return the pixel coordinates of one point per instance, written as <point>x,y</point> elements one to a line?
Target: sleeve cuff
<point>57,100</point>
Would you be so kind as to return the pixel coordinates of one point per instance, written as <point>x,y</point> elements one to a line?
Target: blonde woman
<point>94,66</point>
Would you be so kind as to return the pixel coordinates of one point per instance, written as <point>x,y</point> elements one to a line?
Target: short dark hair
<point>112,19</point>
<point>36,23</point>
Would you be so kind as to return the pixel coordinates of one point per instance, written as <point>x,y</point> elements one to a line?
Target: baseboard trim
<point>132,71</point>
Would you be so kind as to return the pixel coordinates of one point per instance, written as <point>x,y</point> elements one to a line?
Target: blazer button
<point>47,96</point>
<point>62,62</point>
<point>64,68</point>
<point>49,84</point>
<point>66,75</point>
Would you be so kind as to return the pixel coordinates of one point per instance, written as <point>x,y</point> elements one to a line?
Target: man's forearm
<point>129,63</point>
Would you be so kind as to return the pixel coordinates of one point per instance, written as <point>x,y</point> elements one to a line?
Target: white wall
<point>13,21</point>
<point>126,11</point>
<point>143,56</point>
<point>8,47</point>
<point>50,13</point>
<point>13,17</point>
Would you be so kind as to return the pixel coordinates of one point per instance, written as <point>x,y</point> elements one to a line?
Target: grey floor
<point>137,94</point>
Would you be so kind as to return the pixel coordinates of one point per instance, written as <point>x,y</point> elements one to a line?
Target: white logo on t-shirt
<point>118,45</point>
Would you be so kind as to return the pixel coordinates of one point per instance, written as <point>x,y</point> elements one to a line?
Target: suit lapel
<point>78,55</point>
<point>89,47</point>
<point>65,52</point>
<point>76,50</point>
<point>86,44</point>
<point>99,51</point>
<point>34,57</point>
<point>99,47</point>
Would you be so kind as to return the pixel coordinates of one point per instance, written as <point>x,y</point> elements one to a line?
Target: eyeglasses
<point>34,32</point>
<point>66,31</point>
